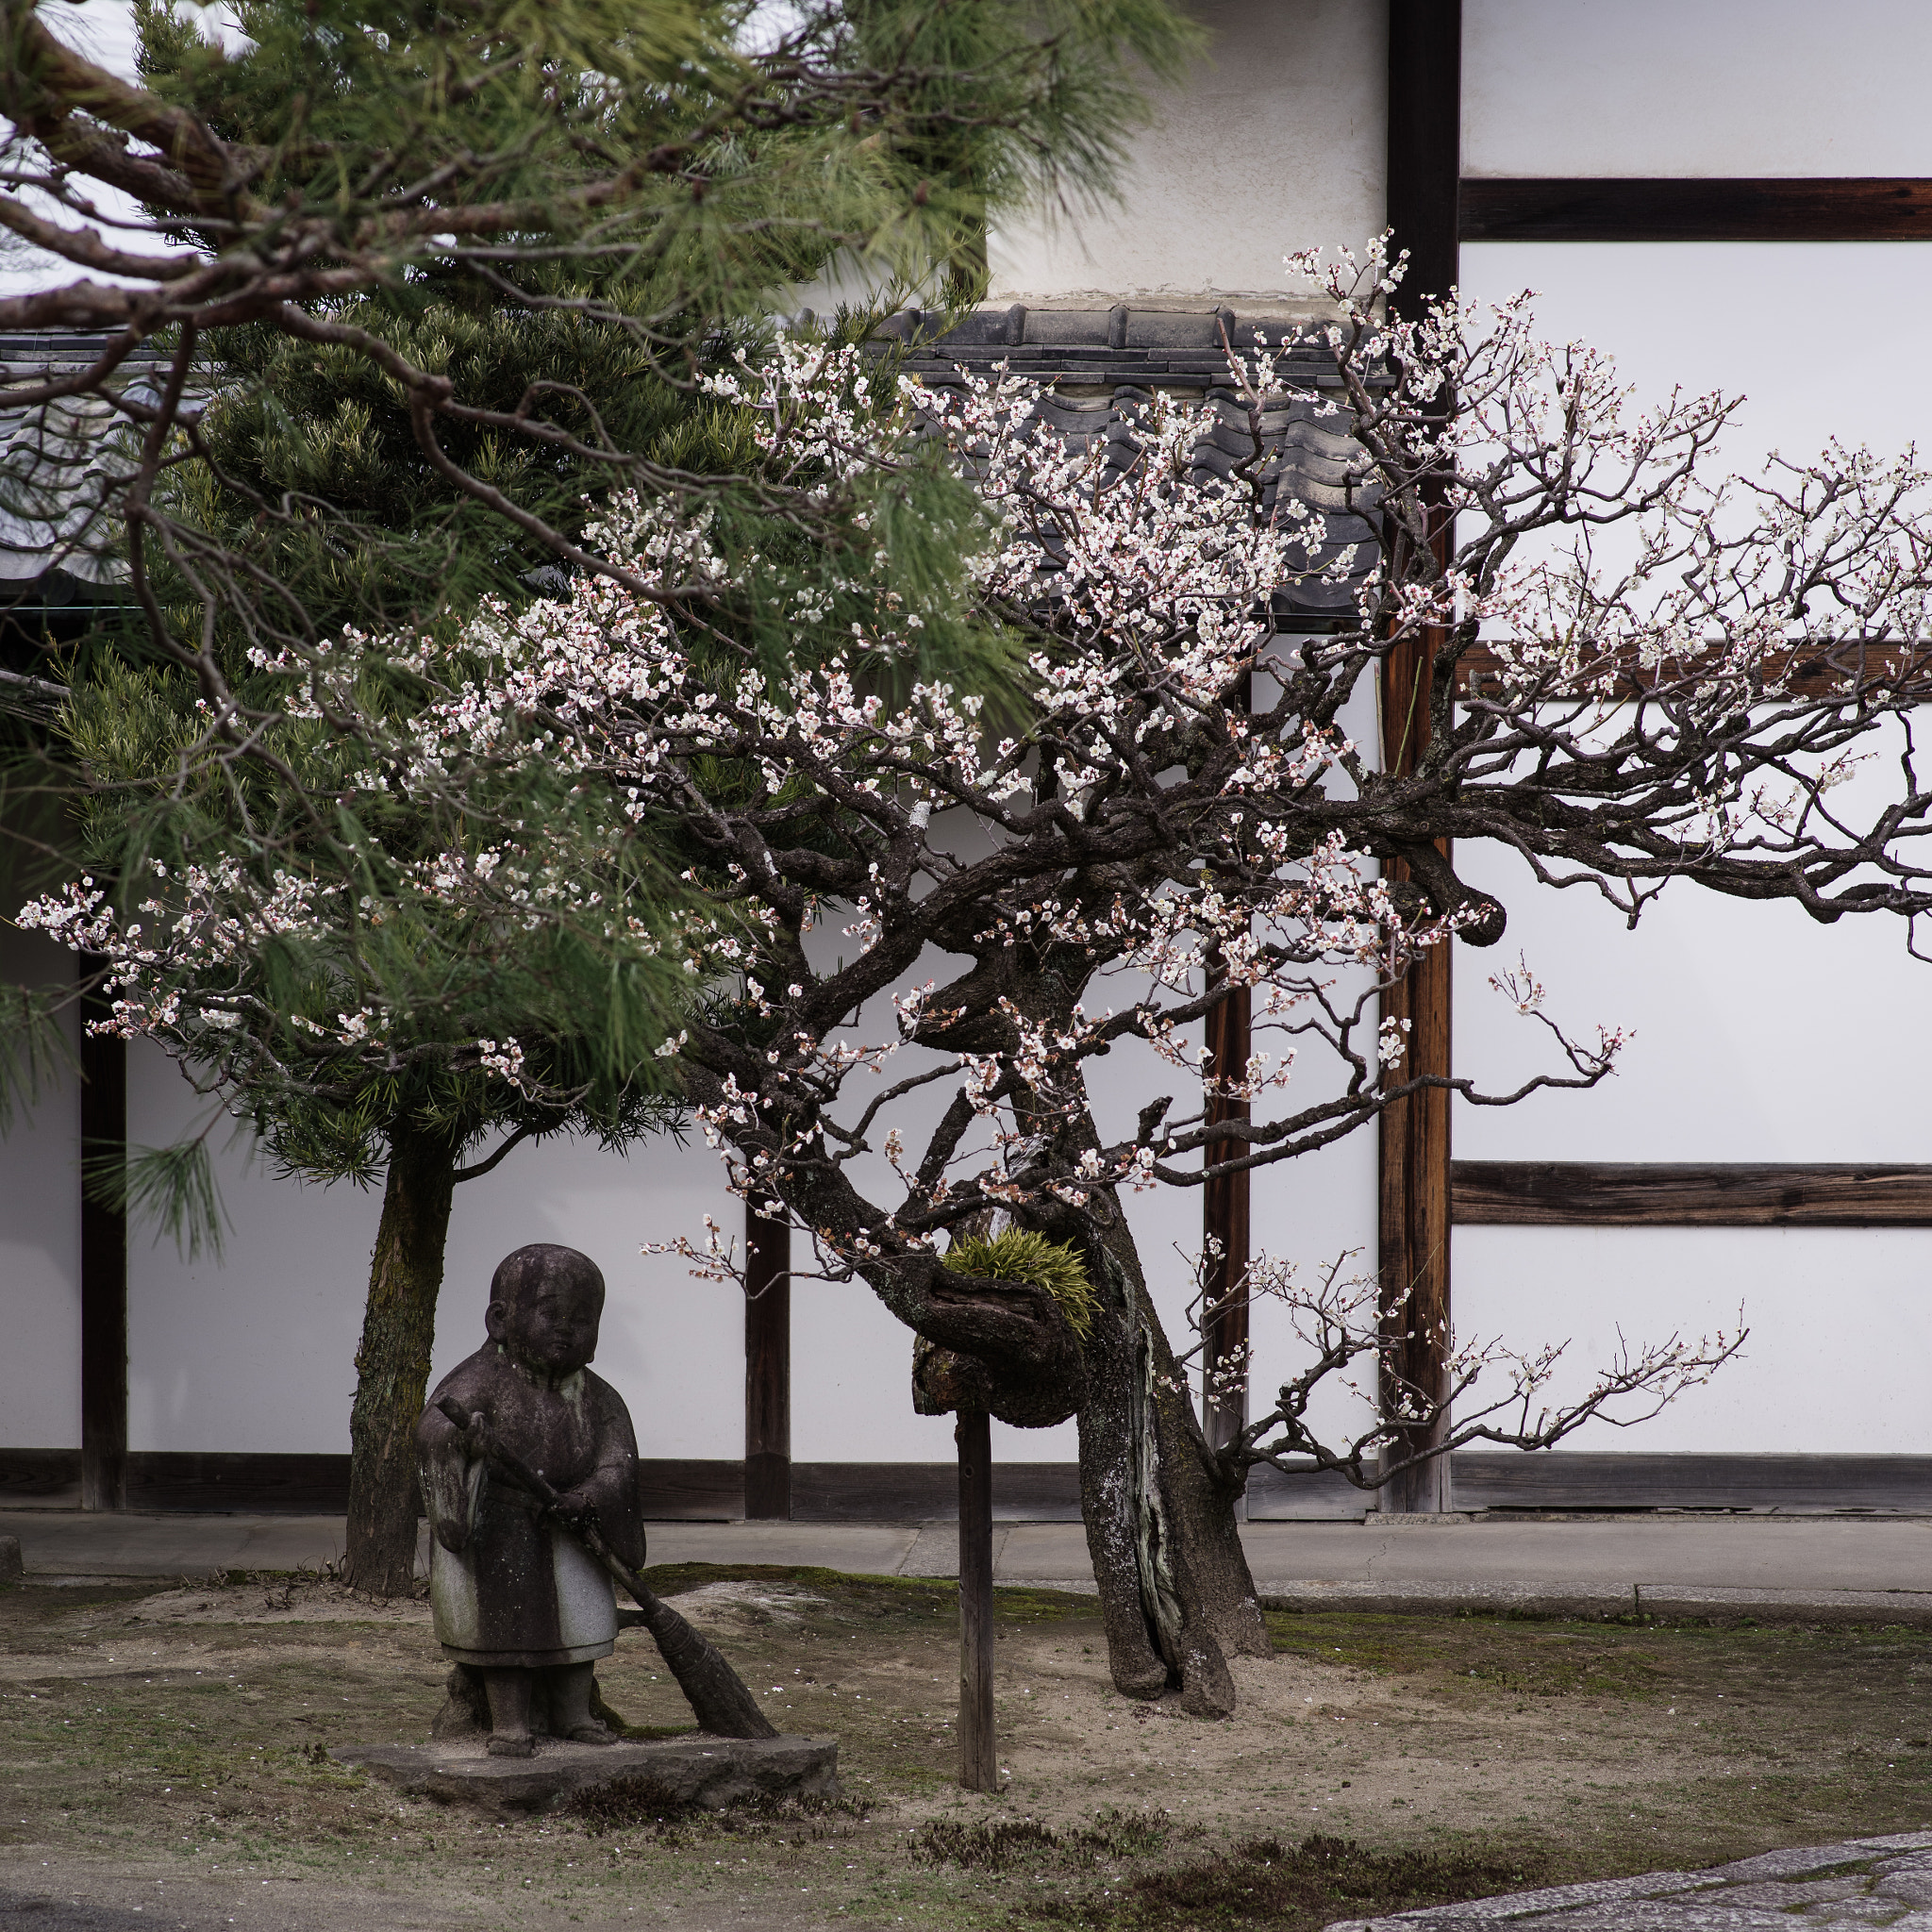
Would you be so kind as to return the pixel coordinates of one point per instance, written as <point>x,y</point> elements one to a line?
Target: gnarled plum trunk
<point>392,1363</point>
<point>1175,1594</point>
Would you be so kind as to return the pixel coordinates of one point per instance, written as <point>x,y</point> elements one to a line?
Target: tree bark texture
<point>392,1363</point>
<point>1175,1594</point>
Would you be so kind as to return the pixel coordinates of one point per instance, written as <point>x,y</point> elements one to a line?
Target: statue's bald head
<point>544,1305</point>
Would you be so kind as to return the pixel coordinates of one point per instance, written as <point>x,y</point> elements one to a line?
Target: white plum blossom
<point>1626,673</point>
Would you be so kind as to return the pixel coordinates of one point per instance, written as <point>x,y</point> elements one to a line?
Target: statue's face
<point>553,1323</point>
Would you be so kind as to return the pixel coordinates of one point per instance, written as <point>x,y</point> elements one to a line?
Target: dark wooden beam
<point>1225,1217</point>
<point>1752,209</point>
<point>1809,668</point>
<point>1412,1248</point>
<point>767,1368</point>
<point>698,1491</point>
<point>103,1265</point>
<point>1783,1484</point>
<point>1426,139</point>
<point>1642,1194</point>
<point>1226,1220</point>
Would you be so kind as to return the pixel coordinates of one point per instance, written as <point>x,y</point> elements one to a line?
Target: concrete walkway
<point>1858,1568</point>
<point>1867,1881</point>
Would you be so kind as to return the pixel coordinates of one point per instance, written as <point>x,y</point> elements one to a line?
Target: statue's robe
<point>510,1591</point>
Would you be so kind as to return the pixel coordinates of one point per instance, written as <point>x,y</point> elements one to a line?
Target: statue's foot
<point>592,1732</point>
<point>506,1745</point>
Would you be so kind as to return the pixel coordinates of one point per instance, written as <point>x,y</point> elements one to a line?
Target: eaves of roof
<point>1101,367</point>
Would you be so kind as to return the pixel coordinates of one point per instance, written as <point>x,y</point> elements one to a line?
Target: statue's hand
<point>576,1508</point>
<point>477,1439</point>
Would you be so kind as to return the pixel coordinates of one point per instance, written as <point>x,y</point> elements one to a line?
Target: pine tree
<point>458,274</point>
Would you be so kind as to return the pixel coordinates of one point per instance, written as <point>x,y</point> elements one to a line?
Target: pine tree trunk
<point>392,1363</point>
<point>1175,1594</point>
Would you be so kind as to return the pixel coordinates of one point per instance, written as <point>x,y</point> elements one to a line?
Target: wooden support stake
<point>978,1767</point>
<point>103,1266</point>
<point>767,1368</point>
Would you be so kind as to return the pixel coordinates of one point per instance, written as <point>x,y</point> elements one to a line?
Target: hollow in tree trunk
<point>392,1363</point>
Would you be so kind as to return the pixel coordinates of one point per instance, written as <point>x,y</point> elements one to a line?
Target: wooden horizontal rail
<point>1580,1194</point>
<point>41,1481</point>
<point>1818,209</point>
<point>1783,1484</point>
<point>1808,670</point>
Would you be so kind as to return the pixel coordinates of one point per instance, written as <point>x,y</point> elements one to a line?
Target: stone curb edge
<point>1529,1599</point>
<point>1648,1886</point>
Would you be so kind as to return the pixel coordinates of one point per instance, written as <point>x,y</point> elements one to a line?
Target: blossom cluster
<point>1145,825</point>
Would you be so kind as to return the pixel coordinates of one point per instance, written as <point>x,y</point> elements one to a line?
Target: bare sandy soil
<point>167,1749</point>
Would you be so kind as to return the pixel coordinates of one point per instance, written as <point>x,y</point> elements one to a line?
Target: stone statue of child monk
<point>517,1601</point>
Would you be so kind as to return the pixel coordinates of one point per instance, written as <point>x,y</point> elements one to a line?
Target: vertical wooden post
<point>767,1367</point>
<point>1425,170</point>
<point>1225,1210</point>
<point>1225,1219</point>
<point>1414,1246</point>
<point>103,1265</point>
<point>978,1765</point>
<point>1426,141</point>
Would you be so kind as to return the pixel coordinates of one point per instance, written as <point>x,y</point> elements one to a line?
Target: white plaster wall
<point>1711,88</point>
<point>257,1352</point>
<point>40,1237</point>
<point>1317,1210</point>
<point>1816,336</point>
<point>673,1347</point>
<point>1839,1327</point>
<point>1276,141</point>
<point>1758,1035</point>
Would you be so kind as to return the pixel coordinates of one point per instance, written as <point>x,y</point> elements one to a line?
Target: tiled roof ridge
<point>1099,373</point>
<point>23,350</point>
<point>1116,348</point>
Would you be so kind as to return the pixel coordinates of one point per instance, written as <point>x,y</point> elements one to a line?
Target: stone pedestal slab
<point>698,1769</point>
